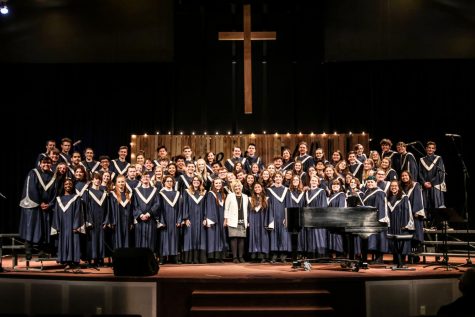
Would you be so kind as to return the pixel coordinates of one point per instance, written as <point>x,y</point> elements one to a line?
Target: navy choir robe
<point>96,212</point>
<point>170,219</point>
<point>68,224</point>
<point>146,202</point>
<point>91,167</point>
<point>357,170</point>
<point>289,165</point>
<point>377,198</point>
<point>120,219</point>
<point>316,238</point>
<point>279,236</point>
<point>119,167</point>
<point>335,240</point>
<point>258,234</point>
<point>214,215</point>
<point>183,183</point>
<point>431,169</point>
<point>409,163</point>
<point>418,213</point>
<point>229,164</point>
<point>400,215</point>
<point>250,160</point>
<point>35,224</point>
<point>306,160</point>
<point>194,236</point>
<point>297,199</point>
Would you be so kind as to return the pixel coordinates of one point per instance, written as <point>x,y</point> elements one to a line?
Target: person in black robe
<point>280,240</point>
<point>214,214</point>
<point>170,220</point>
<point>378,242</point>
<point>303,156</point>
<point>229,164</point>
<point>432,178</point>
<point>194,221</point>
<point>145,213</point>
<point>96,211</point>
<point>68,224</point>
<point>36,204</point>
<point>258,235</point>
<point>402,222</point>
<point>407,161</point>
<point>120,214</point>
<point>120,165</point>
<point>252,158</point>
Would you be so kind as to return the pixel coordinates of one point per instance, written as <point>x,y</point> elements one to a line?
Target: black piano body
<point>361,221</point>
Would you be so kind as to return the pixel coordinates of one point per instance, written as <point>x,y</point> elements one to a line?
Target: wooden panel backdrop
<point>267,145</point>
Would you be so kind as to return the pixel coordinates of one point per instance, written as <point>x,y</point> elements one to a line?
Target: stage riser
<point>272,298</point>
<point>270,313</point>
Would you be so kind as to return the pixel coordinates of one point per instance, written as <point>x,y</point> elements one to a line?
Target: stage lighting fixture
<point>3,7</point>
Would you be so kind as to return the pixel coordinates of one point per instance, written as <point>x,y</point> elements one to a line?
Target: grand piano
<point>361,221</point>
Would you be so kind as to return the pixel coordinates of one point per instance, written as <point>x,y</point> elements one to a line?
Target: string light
<point>264,132</point>
<point>300,133</point>
<point>158,132</point>
<point>350,133</point>
<point>217,132</point>
<point>3,7</point>
<point>276,134</point>
<point>193,133</point>
<point>169,133</point>
<point>240,132</point>
<point>335,133</point>
<point>311,133</point>
<point>229,132</point>
<point>205,133</point>
<point>253,135</point>
<point>181,132</point>
<point>134,136</point>
<point>145,135</point>
<point>363,133</point>
<point>288,134</point>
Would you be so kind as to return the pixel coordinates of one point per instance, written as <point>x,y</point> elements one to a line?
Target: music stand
<point>443,216</point>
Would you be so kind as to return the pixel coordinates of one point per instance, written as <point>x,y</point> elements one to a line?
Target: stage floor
<point>356,293</point>
<point>228,270</point>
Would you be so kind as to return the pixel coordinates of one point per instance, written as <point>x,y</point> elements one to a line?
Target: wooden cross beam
<point>247,36</point>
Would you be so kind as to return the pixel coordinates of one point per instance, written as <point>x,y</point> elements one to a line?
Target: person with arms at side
<point>235,218</point>
<point>432,178</point>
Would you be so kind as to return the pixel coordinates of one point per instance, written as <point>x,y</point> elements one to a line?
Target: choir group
<point>201,211</point>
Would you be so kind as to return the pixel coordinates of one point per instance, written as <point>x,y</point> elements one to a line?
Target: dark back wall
<point>294,90</point>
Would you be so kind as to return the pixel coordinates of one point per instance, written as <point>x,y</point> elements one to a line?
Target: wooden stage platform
<point>229,290</point>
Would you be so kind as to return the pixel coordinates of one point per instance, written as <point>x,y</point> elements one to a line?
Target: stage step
<point>261,303</point>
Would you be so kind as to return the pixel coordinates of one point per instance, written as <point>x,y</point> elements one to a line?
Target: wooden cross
<point>247,36</point>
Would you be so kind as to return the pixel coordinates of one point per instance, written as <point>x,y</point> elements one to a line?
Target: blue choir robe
<point>132,184</point>
<point>288,165</point>
<point>250,160</point>
<point>194,236</point>
<point>297,199</point>
<point>361,157</point>
<point>81,189</point>
<point>120,219</point>
<point>214,215</point>
<point>400,215</point>
<point>119,167</point>
<point>91,167</point>
<point>35,224</point>
<point>183,183</point>
<point>431,169</point>
<point>391,175</point>
<point>96,212</point>
<point>409,163</point>
<point>170,219</point>
<point>316,238</point>
<point>383,185</point>
<point>146,202</point>
<point>229,164</point>
<point>335,240</point>
<point>418,213</point>
<point>258,234</point>
<point>279,236</point>
<point>377,198</point>
<point>68,224</point>
<point>209,168</point>
<point>357,170</point>
<point>64,157</point>
<point>306,160</point>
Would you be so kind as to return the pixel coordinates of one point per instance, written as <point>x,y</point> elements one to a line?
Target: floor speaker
<point>134,262</point>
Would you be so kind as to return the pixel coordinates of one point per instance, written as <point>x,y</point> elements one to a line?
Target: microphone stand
<point>466,177</point>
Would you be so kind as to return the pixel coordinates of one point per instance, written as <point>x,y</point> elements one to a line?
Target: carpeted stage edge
<point>176,283</point>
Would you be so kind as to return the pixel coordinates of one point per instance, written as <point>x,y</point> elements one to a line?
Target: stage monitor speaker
<point>134,262</point>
